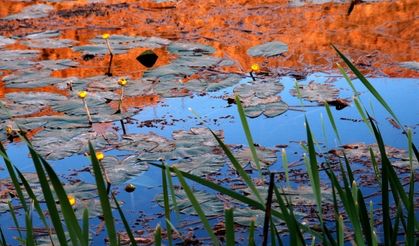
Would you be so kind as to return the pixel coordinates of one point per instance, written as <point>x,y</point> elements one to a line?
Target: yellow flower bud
<point>129,188</point>
<point>255,67</point>
<point>106,35</point>
<point>83,94</point>
<point>71,200</point>
<point>9,130</point>
<point>122,82</point>
<point>100,155</point>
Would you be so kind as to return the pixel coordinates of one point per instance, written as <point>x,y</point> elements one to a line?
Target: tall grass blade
<point>367,84</point>
<point>285,166</point>
<point>35,201</point>
<point>103,196</point>
<point>410,232</point>
<point>29,228</point>
<point>124,221</point>
<point>251,241</point>
<point>268,210</point>
<point>391,175</point>
<point>296,237</point>
<point>49,198</point>
<point>197,207</point>
<point>313,170</point>
<point>67,211</point>
<point>246,178</point>
<point>166,205</point>
<point>172,192</point>
<point>229,227</point>
<point>349,204</point>
<point>361,112</point>
<point>345,75</point>
<point>86,235</point>
<point>332,120</point>
<point>13,177</point>
<point>157,236</point>
<point>340,231</point>
<point>249,138</point>
<point>3,241</point>
<point>15,221</point>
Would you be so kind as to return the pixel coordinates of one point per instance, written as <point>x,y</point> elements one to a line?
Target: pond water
<point>48,48</point>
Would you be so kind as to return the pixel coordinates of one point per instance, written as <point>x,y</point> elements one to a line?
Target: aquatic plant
<point>353,220</point>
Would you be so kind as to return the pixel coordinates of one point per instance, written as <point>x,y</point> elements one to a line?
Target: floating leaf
<point>201,165</point>
<point>208,202</point>
<point>267,156</point>
<point>268,49</point>
<point>6,41</point>
<point>414,65</point>
<point>31,12</point>
<point>317,92</point>
<point>120,171</point>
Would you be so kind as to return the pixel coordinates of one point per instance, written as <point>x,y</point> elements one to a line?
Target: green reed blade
<point>285,166</point>
<point>166,205</point>
<point>157,236</point>
<point>197,207</point>
<point>239,168</point>
<point>251,240</point>
<point>368,85</point>
<point>249,138</point>
<point>103,196</point>
<point>229,227</point>
<point>172,193</point>
<point>13,177</point>
<point>67,211</point>
<point>15,221</point>
<point>332,120</point>
<point>124,221</point>
<point>29,228</point>
<point>86,226</point>
<point>3,241</point>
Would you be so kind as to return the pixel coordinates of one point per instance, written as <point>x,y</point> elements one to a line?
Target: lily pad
<point>32,12</point>
<point>360,153</point>
<point>414,65</point>
<point>260,97</point>
<point>150,142</point>
<point>317,92</point>
<point>201,165</point>
<point>190,49</point>
<point>120,171</point>
<point>30,79</point>
<point>6,41</point>
<point>268,49</point>
<point>120,44</point>
<point>209,203</point>
<point>267,156</point>
<point>48,43</point>
<point>57,144</point>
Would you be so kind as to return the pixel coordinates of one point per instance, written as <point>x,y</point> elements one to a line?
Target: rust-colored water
<point>376,36</point>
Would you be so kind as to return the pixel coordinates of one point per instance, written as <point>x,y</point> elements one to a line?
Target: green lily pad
<point>189,49</point>
<point>48,43</point>
<point>209,203</point>
<point>57,144</point>
<point>30,79</point>
<point>34,98</point>
<point>150,142</point>
<point>269,110</point>
<point>32,12</point>
<point>360,152</point>
<point>268,49</point>
<point>201,165</point>
<point>414,65</point>
<point>317,92</point>
<point>120,44</point>
<point>43,35</point>
<point>267,156</point>
<point>6,41</point>
<point>120,171</point>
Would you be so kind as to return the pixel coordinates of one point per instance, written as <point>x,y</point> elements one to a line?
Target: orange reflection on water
<point>136,102</point>
<point>122,64</point>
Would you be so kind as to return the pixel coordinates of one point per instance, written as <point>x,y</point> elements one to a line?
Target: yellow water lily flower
<point>122,82</point>
<point>255,67</point>
<point>100,156</point>
<point>71,200</point>
<point>83,94</point>
<point>106,35</point>
<point>9,130</point>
